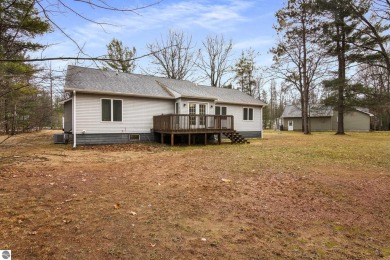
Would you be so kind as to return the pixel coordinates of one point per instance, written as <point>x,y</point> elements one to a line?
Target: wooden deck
<point>175,124</point>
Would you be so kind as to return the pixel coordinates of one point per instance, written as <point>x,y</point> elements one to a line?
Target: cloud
<point>215,17</point>
<point>254,43</point>
<point>239,20</point>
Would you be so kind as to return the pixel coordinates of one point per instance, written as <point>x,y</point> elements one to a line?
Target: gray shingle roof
<point>104,81</point>
<point>109,82</point>
<point>315,111</point>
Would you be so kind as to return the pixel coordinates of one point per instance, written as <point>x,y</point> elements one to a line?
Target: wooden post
<point>189,139</point>
<point>162,138</point>
<point>205,139</point>
<point>172,139</point>
<point>219,138</point>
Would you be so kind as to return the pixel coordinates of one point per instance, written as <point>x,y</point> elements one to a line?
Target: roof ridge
<point>135,74</point>
<point>164,87</point>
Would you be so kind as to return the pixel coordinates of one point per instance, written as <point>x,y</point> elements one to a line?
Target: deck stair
<point>236,137</point>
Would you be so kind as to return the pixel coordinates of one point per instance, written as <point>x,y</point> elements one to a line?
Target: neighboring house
<point>325,119</point>
<point>113,107</point>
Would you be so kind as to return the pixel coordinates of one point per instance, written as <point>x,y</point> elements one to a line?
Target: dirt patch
<point>285,196</point>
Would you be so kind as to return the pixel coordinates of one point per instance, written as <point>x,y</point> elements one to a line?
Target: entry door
<point>202,112</point>
<point>197,109</point>
<point>290,125</point>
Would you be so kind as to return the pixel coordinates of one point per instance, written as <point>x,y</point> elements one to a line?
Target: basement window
<point>134,137</point>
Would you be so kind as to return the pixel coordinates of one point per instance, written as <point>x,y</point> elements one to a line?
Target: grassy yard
<point>287,196</point>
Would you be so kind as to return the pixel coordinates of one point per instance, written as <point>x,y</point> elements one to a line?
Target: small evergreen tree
<point>245,69</point>
<point>121,58</point>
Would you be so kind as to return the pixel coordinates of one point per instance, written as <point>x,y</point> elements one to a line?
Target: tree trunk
<point>6,125</point>
<point>305,97</point>
<point>341,49</point>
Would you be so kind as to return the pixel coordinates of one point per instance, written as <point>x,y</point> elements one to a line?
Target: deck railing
<point>176,123</point>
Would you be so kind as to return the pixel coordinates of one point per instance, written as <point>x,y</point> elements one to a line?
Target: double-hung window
<point>111,110</point>
<point>220,111</point>
<point>248,114</point>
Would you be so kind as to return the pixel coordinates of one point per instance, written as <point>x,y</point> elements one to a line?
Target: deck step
<point>236,137</point>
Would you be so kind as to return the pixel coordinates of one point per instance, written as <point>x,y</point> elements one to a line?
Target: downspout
<point>261,123</point>
<point>74,119</point>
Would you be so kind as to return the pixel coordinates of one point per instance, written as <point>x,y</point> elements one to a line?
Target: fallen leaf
<point>226,180</point>
<point>117,206</point>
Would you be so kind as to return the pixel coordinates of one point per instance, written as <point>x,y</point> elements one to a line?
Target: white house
<point>112,107</point>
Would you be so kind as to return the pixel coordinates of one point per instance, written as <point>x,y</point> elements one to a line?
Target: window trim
<point>247,115</point>
<point>220,110</point>
<point>112,110</point>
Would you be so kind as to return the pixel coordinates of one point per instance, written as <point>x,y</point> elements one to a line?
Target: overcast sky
<point>247,23</point>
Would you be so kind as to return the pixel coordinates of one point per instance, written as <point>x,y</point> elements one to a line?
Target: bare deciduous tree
<point>174,56</point>
<point>50,10</point>
<point>214,61</point>
<point>297,56</point>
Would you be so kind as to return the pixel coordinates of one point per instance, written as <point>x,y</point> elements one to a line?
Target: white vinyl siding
<point>245,125</point>
<point>137,114</point>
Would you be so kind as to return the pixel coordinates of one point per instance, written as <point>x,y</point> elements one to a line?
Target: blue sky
<point>247,23</point>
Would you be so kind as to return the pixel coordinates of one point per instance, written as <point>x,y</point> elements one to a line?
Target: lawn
<point>287,196</point>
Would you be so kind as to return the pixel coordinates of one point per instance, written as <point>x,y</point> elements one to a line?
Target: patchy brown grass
<point>287,196</point>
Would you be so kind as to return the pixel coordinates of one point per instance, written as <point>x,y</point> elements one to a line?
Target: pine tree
<point>121,58</point>
<point>340,32</point>
<point>19,24</point>
<point>245,69</point>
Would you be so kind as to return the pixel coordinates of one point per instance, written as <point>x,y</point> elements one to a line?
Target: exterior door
<point>290,125</point>
<point>197,109</point>
<point>202,112</point>
<point>192,111</point>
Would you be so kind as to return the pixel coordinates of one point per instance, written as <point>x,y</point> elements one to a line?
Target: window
<point>192,111</point>
<point>177,108</point>
<point>202,111</point>
<point>117,110</point>
<point>134,137</point>
<point>220,111</point>
<point>111,110</point>
<point>248,114</point>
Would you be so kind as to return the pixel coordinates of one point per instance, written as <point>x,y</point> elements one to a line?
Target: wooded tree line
<point>330,52</point>
<point>22,104</point>
<point>339,47</point>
